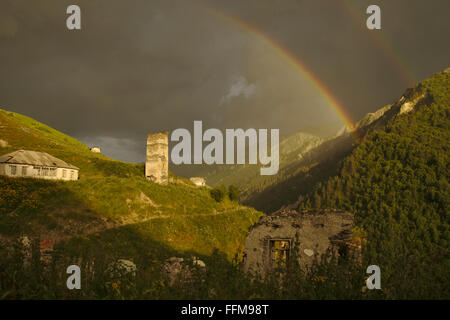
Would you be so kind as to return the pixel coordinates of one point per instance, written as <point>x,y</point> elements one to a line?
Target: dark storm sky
<point>144,66</point>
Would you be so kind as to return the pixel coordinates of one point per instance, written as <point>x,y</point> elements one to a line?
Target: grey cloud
<point>142,66</point>
<point>239,87</point>
<point>129,150</point>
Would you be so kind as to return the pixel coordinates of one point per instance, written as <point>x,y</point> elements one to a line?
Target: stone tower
<point>157,161</point>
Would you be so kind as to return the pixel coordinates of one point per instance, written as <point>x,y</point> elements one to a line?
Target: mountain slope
<point>326,160</point>
<point>396,183</point>
<point>248,177</point>
<point>110,196</point>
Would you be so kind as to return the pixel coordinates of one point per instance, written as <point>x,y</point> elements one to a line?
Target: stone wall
<point>157,161</point>
<point>310,233</point>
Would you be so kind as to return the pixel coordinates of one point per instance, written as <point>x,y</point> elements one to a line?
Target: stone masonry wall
<point>157,161</point>
<point>315,231</point>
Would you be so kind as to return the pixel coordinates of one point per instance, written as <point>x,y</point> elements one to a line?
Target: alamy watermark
<point>74,280</point>
<point>190,149</point>
<point>73,21</point>
<point>374,281</point>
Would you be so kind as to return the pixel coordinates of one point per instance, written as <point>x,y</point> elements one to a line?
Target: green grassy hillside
<point>110,197</point>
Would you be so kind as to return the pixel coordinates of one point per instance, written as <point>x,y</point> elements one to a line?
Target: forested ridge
<point>396,183</point>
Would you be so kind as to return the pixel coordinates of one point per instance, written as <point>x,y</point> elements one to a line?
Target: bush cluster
<point>221,192</point>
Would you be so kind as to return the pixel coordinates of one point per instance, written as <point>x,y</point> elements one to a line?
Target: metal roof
<point>34,158</point>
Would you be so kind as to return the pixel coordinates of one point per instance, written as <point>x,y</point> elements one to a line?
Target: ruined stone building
<point>271,243</point>
<point>157,160</point>
<point>33,164</point>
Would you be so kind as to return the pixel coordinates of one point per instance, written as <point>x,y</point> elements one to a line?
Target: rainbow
<point>292,60</point>
<point>382,43</point>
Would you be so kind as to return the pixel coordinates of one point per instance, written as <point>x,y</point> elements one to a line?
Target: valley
<point>390,171</point>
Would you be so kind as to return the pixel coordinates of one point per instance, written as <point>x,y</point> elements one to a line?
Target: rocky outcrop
<point>121,268</point>
<point>179,269</point>
<point>372,117</point>
<point>408,106</point>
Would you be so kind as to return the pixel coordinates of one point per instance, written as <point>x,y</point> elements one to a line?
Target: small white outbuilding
<point>199,182</point>
<point>41,165</point>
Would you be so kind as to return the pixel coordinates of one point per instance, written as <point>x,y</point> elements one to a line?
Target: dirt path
<point>103,225</point>
<point>167,216</point>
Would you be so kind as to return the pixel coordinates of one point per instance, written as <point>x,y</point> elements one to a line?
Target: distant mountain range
<point>309,155</point>
<point>247,177</point>
<point>300,176</point>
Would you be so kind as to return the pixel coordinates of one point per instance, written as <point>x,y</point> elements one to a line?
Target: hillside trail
<point>130,222</point>
<point>111,225</point>
<point>167,216</point>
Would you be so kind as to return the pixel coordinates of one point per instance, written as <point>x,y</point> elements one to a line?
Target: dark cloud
<point>144,66</point>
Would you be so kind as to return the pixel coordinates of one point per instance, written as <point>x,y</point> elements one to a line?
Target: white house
<point>199,182</point>
<point>24,163</point>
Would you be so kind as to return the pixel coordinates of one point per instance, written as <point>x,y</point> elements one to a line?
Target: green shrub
<point>218,193</point>
<point>234,193</point>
